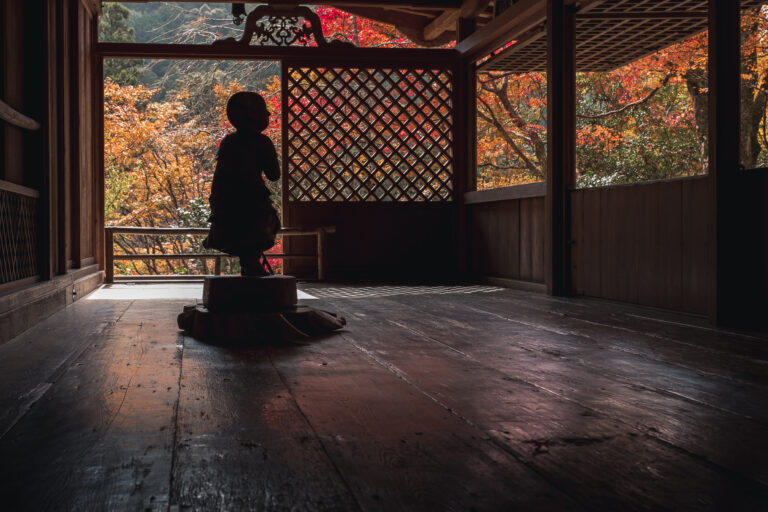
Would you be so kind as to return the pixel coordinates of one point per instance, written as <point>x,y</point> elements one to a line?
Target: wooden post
<point>726,297</point>
<point>109,264</point>
<point>217,265</point>
<point>465,27</point>
<point>561,149</point>
<point>465,171</point>
<point>47,238</point>
<point>98,149</point>
<point>321,246</point>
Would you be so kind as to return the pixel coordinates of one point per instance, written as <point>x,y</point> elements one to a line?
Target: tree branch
<point>628,105</point>
<point>492,119</point>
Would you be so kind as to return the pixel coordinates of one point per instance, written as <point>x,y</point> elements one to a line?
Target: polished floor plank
<point>432,398</point>
<point>592,345</point>
<point>34,360</point>
<point>686,329</point>
<point>243,444</point>
<point>397,448</point>
<point>572,444</point>
<point>642,366</point>
<point>601,381</point>
<point>101,438</point>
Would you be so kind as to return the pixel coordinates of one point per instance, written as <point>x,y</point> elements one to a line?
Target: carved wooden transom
<point>275,25</point>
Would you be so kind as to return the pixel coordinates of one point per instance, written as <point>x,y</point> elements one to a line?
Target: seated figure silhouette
<point>244,222</point>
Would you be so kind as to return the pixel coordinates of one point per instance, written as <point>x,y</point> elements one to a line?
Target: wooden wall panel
<point>64,139</point>
<point>507,239</point>
<point>380,240</point>
<point>695,245</point>
<point>85,135</point>
<point>643,243</point>
<point>12,34</point>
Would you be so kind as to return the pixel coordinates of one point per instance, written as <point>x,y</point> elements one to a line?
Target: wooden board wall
<point>85,148</point>
<point>643,243</point>
<point>12,32</point>
<point>379,240</point>
<point>77,205</point>
<point>25,85</point>
<point>507,239</point>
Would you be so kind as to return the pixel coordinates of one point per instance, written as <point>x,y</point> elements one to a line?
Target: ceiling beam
<point>642,15</point>
<point>446,22</point>
<point>517,20</point>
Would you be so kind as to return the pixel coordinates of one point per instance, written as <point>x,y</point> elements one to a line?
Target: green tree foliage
<point>115,26</point>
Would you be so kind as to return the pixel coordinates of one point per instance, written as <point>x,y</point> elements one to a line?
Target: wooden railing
<point>110,232</point>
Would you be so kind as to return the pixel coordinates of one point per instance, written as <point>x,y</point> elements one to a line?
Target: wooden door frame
<point>406,58</point>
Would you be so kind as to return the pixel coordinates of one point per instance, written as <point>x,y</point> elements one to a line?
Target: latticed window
<point>369,134</point>
<point>18,237</point>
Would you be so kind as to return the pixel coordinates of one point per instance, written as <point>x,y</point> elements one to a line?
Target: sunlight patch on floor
<point>364,292</point>
<point>154,291</point>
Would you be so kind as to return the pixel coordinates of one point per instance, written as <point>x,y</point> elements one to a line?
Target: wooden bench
<point>321,233</point>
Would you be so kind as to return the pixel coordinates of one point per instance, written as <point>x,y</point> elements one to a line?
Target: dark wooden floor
<point>469,398</point>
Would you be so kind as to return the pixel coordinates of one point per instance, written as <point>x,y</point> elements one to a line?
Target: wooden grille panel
<point>356,134</point>
<point>18,236</point>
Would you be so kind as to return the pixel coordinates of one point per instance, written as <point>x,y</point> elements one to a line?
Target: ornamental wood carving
<point>282,26</point>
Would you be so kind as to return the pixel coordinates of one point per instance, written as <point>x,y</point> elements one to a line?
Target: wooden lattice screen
<point>355,134</point>
<point>18,239</point>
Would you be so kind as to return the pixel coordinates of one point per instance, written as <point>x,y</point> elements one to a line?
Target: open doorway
<point>163,122</point>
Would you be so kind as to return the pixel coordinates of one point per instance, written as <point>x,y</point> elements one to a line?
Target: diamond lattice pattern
<point>18,248</point>
<point>369,134</point>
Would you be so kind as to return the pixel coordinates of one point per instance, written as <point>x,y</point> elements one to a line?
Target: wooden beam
<point>561,143</point>
<point>447,20</point>
<point>465,27</point>
<point>18,189</point>
<point>512,193</point>
<point>16,118</point>
<point>726,297</point>
<point>515,21</point>
<point>401,57</point>
<point>642,15</point>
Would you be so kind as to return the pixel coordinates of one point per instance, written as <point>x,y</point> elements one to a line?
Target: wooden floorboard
<point>558,409</point>
<point>101,437</point>
<point>607,381</point>
<point>397,447</point>
<point>243,444</point>
<point>452,398</point>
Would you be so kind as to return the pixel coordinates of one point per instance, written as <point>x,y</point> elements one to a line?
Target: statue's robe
<point>243,218</point>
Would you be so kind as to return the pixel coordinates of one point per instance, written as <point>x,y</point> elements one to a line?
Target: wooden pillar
<point>98,151</point>
<point>726,299</point>
<point>561,137</point>
<point>48,246</point>
<point>465,137</point>
<point>76,170</point>
<point>465,27</point>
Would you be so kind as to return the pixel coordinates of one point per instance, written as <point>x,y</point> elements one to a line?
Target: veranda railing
<point>110,232</point>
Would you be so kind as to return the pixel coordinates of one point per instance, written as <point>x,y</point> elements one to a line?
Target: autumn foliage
<point>160,143</point>
<point>643,121</point>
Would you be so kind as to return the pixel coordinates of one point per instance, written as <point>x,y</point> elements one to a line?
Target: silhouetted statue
<point>243,220</point>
